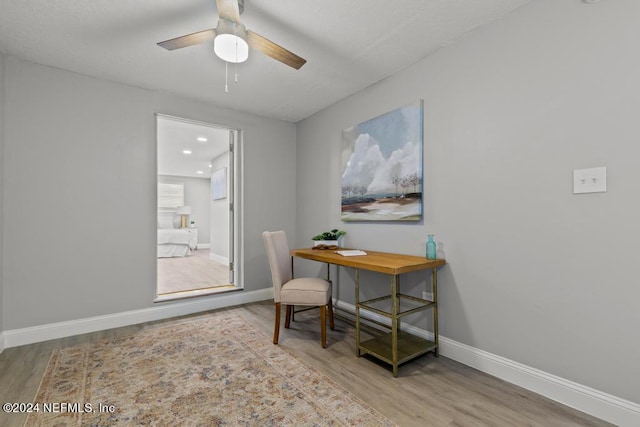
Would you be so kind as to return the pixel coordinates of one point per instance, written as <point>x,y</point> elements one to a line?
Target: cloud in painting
<point>401,163</point>
<point>363,163</point>
<point>368,168</point>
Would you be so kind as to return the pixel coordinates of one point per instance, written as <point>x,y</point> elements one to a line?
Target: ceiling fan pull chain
<point>226,77</point>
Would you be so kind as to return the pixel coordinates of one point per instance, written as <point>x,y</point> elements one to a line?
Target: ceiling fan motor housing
<point>230,43</point>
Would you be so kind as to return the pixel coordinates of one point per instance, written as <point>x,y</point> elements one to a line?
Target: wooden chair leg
<point>330,307</point>
<point>276,329</point>
<point>323,322</point>
<point>287,319</point>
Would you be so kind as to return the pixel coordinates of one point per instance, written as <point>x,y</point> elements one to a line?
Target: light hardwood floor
<point>429,391</point>
<point>194,272</point>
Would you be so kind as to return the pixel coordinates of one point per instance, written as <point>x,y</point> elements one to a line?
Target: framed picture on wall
<point>219,184</point>
<point>382,167</point>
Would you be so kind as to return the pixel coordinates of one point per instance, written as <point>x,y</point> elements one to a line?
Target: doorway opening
<point>196,223</point>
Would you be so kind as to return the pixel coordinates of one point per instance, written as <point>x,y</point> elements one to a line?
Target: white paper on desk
<point>352,252</point>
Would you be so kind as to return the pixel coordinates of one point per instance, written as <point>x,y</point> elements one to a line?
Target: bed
<point>175,242</point>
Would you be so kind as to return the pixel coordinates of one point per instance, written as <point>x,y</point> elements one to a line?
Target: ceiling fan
<point>231,40</point>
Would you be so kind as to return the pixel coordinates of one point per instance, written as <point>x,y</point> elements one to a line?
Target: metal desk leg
<point>434,284</point>
<point>397,293</point>
<point>394,324</point>
<point>357,285</point>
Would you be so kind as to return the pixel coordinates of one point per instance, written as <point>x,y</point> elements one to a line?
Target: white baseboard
<point>1,341</point>
<point>217,258</point>
<point>591,401</point>
<point>204,245</point>
<point>30,335</point>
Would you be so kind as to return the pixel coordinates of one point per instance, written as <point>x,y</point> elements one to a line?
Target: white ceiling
<point>176,135</point>
<point>349,44</point>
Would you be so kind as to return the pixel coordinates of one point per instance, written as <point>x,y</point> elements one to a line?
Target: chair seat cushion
<point>306,291</point>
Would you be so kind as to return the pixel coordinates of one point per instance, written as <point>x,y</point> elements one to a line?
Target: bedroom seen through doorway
<point>195,193</point>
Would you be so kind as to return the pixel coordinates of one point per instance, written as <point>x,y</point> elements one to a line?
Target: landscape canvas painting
<point>219,184</point>
<point>382,167</point>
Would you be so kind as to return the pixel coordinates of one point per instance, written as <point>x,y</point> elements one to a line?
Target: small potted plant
<point>329,238</point>
<point>193,224</point>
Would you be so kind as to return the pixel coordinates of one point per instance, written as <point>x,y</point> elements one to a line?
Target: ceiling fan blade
<point>229,10</point>
<point>277,52</point>
<point>188,40</point>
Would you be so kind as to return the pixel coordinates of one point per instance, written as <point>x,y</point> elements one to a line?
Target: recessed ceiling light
<point>200,172</point>
<point>202,139</point>
<point>186,151</point>
<point>210,165</point>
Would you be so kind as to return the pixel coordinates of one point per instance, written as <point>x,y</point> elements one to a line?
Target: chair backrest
<point>279,259</point>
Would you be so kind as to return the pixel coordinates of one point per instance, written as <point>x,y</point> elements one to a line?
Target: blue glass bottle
<point>431,248</point>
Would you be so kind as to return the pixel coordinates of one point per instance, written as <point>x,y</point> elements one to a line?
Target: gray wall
<point>80,188</point>
<point>220,213</point>
<point>196,195</point>
<point>535,274</point>
<point>2,311</point>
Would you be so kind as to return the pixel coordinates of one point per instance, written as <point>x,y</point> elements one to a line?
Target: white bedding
<point>173,236</point>
<point>175,243</point>
<point>169,251</point>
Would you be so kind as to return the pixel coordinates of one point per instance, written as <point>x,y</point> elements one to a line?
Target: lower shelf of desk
<point>409,347</point>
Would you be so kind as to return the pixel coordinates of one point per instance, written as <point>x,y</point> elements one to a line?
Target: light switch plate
<point>592,180</point>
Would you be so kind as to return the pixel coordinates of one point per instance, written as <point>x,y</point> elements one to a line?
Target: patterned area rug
<point>213,370</point>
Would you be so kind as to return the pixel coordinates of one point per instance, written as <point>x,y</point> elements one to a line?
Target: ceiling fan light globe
<point>231,48</point>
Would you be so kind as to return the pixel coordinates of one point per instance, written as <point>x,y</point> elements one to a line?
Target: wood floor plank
<point>193,272</point>
<point>430,391</point>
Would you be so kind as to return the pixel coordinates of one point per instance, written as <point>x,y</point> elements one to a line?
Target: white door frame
<point>234,196</point>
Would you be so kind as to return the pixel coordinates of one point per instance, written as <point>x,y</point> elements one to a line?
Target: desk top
<point>382,262</point>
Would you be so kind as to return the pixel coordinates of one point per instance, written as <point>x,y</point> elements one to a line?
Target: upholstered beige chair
<point>308,291</point>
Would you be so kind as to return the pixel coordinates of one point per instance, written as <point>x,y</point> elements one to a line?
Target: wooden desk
<point>397,346</point>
